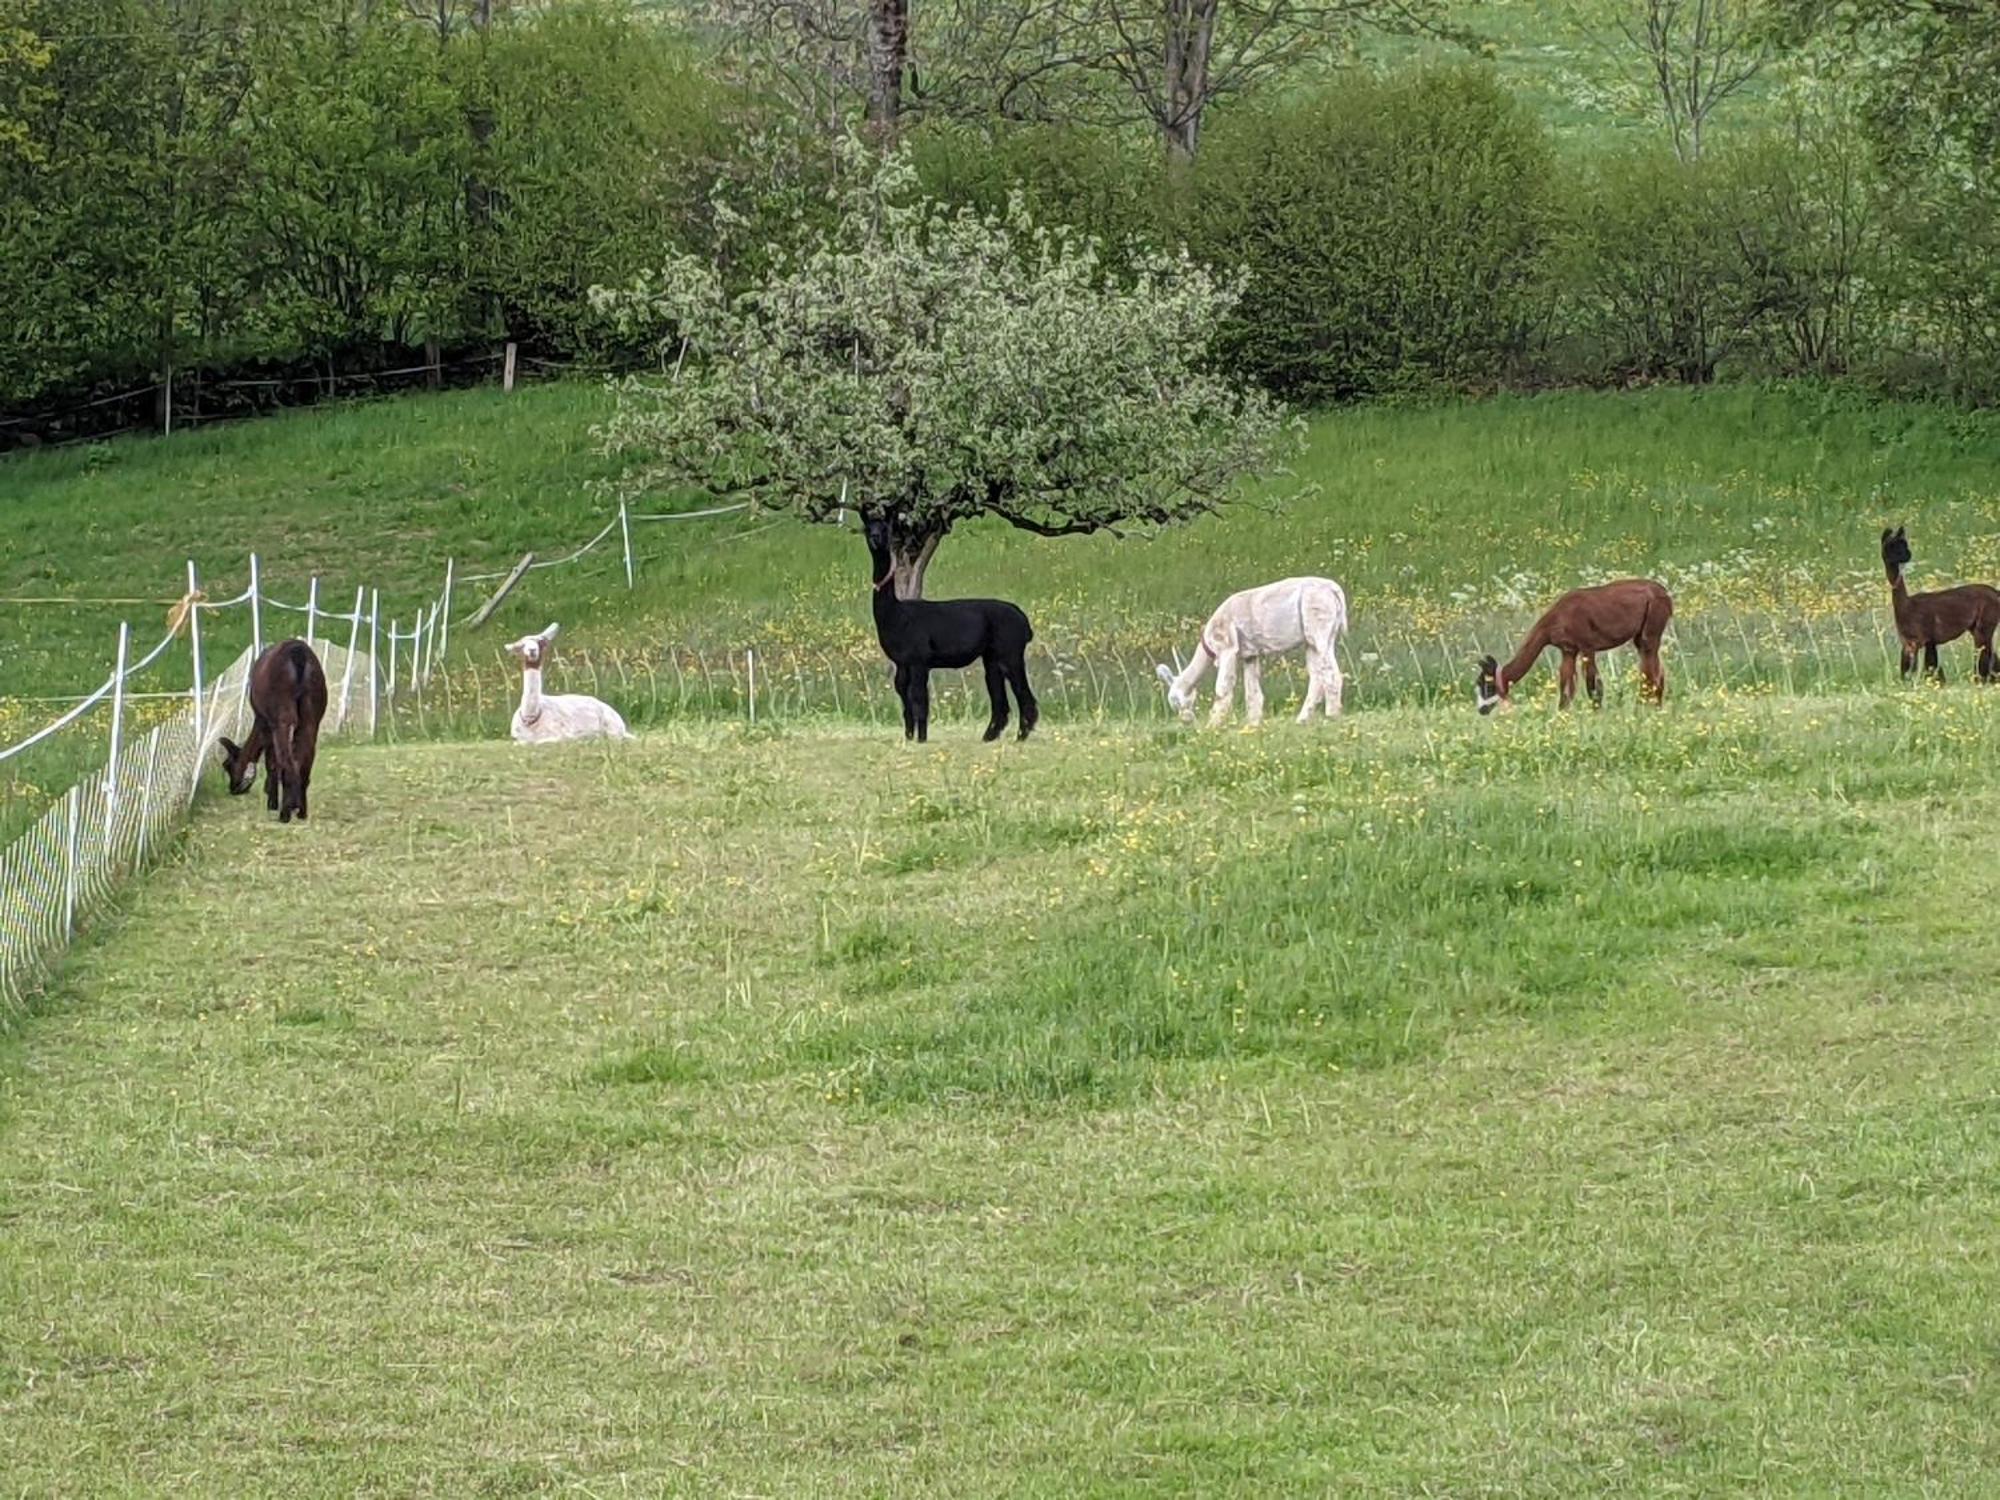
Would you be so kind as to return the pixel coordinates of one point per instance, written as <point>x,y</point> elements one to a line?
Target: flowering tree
<point>932,366</point>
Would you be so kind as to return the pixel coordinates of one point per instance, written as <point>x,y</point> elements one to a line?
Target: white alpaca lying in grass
<point>1279,617</point>
<point>543,717</point>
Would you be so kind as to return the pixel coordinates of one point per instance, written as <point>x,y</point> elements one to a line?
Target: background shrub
<point>1394,231</point>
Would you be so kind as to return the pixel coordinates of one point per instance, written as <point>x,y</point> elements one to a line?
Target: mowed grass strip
<point>1549,1105</point>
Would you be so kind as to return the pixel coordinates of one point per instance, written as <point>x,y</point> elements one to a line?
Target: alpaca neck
<point>1192,674</point>
<point>882,575</point>
<point>1523,661</point>
<point>531,694</point>
<point>1898,589</point>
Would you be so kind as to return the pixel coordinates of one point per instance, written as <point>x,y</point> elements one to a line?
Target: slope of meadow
<point>1419,1103</point>
<point>1449,525</point>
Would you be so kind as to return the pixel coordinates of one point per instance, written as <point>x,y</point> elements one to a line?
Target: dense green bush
<point>1104,183</point>
<point>1650,270</point>
<point>1394,231</point>
<point>606,141</point>
<point>273,186</point>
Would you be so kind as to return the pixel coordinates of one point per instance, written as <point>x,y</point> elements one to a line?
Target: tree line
<point>207,192</point>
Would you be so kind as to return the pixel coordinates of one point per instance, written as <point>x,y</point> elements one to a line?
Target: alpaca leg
<point>1654,674</point>
<point>1567,679</point>
<point>996,689</point>
<point>920,698</point>
<point>1315,685</point>
<point>1592,683</point>
<point>909,703</point>
<point>1931,668</point>
<point>1253,690</point>
<point>305,748</point>
<point>1989,663</point>
<point>1225,688</point>
<point>1336,685</point>
<point>284,769</point>
<point>1909,658</point>
<point>1024,698</point>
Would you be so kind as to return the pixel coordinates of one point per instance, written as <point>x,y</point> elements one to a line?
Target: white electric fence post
<point>392,662</point>
<point>69,863</point>
<point>374,658</point>
<point>194,632</point>
<point>444,627</point>
<point>347,672</point>
<point>256,614</point>
<point>625,527</point>
<point>750,661</point>
<point>146,792</point>
<point>312,610</point>
<point>117,734</point>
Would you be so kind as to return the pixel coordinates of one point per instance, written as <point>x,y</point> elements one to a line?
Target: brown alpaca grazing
<point>1928,621</point>
<point>1580,624</point>
<point>287,701</point>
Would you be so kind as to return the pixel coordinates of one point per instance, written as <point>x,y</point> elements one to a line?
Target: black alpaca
<point>918,634</point>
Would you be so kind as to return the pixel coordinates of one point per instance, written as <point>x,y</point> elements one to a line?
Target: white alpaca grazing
<point>545,717</point>
<point>1261,622</point>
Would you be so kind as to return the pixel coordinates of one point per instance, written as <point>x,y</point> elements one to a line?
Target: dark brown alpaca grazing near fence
<point>287,701</point>
<point>1580,624</point>
<point>1928,621</point>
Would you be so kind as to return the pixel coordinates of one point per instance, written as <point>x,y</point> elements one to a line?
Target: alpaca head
<point>1180,702</point>
<point>1895,551</point>
<point>1488,691</point>
<point>240,768</point>
<point>880,533</point>
<point>533,650</point>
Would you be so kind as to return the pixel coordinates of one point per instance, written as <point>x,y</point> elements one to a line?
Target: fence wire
<point>59,873</point>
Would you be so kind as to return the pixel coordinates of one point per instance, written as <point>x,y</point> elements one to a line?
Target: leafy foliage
<point>1394,233</point>
<point>934,365</point>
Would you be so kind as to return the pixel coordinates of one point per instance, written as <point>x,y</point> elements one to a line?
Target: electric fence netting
<point>60,870</point>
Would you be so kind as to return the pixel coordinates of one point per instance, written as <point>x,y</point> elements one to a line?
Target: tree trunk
<point>911,556</point>
<point>888,59</point>
<point>1184,76</point>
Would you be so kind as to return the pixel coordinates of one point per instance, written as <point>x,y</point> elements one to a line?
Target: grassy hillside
<point>1543,1106</point>
<point>1431,516</point>
<point>1450,527</point>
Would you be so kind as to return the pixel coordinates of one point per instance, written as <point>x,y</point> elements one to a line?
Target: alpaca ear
<point>1887,533</point>
<point>550,633</point>
<point>1166,676</point>
<point>1488,664</point>
<point>1899,533</point>
<point>230,749</point>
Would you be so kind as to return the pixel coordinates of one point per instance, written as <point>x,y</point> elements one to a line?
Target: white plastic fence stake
<point>194,633</point>
<point>312,610</point>
<point>256,614</point>
<point>146,792</point>
<point>374,660</point>
<point>392,661</point>
<point>347,672</point>
<point>625,526</point>
<point>117,730</point>
<point>750,661</point>
<point>69,863</point>
<point>444,625</point>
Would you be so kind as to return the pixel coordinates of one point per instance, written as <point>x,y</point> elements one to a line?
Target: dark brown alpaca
<point>1580,624</point>
<point>1928,621</point>
<point>287,701</point>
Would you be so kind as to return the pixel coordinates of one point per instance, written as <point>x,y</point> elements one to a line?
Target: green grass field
<point>1417,1104</point>
<point>1548,1105</point>
<point>1449,526</point>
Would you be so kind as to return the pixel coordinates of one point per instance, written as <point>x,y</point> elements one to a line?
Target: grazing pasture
<point>1546,1105</point>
